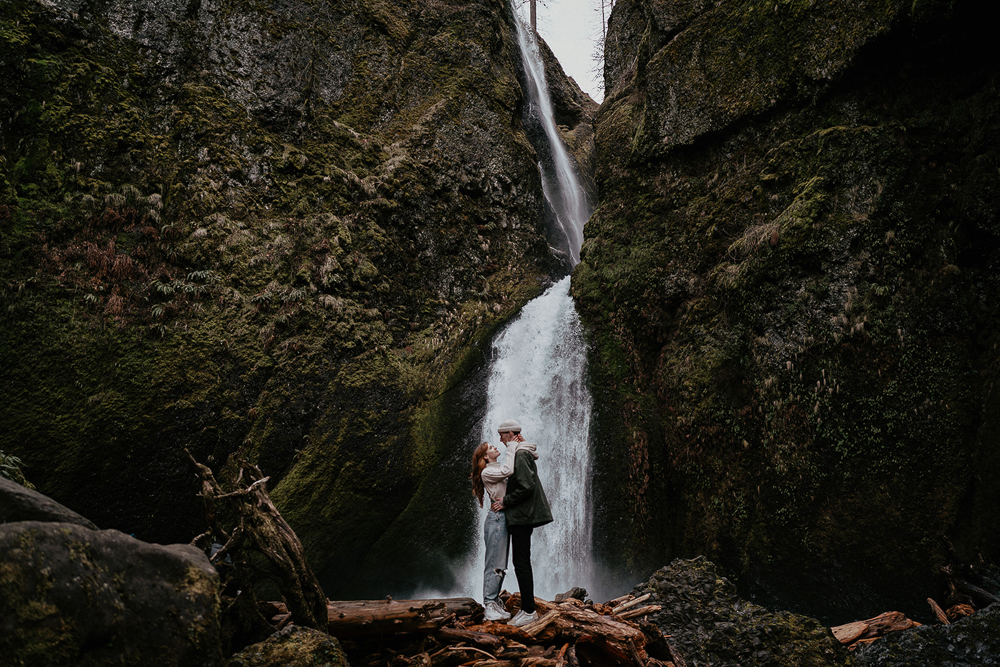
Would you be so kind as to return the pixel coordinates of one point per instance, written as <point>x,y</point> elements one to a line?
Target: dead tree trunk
<point>359,618</point>
<point>256,527</point>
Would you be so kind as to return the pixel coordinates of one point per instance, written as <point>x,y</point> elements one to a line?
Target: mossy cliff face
<point>791,283</point>
<point>286,230</point>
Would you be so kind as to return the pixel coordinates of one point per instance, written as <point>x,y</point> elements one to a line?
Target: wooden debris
<point>561,657</point>
<point>261,544</point>
<point>534,628</point>
<point>360,618</point>
<point>959,611</point>
<point>938,611</point>
<point>629,604</point>
<point>849,633</point>
<point>641,611</point>
<point>618,601</point>
<point>451,632</point>
<point>863,631</point>
<point>982,596</point>
<point>890,621</point>
<point>482,639</point>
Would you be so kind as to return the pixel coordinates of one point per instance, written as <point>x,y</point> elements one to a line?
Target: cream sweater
<point>495,475</point>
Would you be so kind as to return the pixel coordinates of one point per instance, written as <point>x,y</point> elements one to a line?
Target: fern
<point>10,467</point>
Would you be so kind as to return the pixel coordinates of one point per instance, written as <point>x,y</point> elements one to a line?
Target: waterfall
<point>562,188</point>
<point>538,377</point>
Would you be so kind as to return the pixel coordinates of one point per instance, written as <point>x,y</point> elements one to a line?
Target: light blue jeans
<point>495,534</point>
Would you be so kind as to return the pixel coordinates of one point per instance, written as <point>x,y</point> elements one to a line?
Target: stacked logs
<point>451,632</point>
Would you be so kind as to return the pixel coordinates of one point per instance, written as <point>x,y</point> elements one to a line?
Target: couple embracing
<point>517,506</point>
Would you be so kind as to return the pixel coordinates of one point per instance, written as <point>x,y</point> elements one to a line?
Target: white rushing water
<point>562,189</point>
<point>538,377</point>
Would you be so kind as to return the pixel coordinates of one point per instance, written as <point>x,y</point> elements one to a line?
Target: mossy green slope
<point>286,232</point>
<point>790,286</point>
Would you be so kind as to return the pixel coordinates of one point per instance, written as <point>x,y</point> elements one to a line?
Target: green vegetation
<point>10,467</point>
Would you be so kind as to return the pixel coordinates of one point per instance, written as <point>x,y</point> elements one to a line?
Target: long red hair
<point>478,465</point>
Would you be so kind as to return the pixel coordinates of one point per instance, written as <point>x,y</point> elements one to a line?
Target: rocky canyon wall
<point>790,284</point>
<point>283,231</point>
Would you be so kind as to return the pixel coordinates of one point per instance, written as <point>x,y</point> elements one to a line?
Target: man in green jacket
<point>525,507</point>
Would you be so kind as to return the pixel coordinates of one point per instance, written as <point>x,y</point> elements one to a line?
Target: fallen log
<point>483,639</point>
<point>641,611</point>
<point>573,622</point>
<point>365,618</point>
<point>534,628</point>
<point>502,630</point>
<point>981,596</point>
<point>631,603</point>
<point>619,600</point>
<point>849,632</point>
<point>890,621</point>
<point>863,631</point>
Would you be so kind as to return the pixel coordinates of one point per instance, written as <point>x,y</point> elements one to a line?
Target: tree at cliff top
<point>790,285</point>
<point>225,228</point>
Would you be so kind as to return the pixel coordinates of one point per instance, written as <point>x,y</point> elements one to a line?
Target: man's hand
<point>497,505</point>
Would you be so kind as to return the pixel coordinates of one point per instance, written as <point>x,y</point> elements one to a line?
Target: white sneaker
<point>494,612</point>
<point>522,619</point>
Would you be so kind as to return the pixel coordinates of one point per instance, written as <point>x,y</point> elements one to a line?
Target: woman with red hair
<point>490,478</point>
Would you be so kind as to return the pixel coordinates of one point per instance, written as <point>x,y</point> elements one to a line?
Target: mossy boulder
<point>18,503</point>
<point>709,624</point>
<point>283,233</point>
<point>293,645</point>
<point>73,596</point>
<point>789,287</point>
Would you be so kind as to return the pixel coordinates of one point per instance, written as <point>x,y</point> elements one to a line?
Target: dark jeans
<point>520,543</point>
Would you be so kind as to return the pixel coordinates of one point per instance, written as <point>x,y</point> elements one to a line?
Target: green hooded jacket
<point>525,503</point>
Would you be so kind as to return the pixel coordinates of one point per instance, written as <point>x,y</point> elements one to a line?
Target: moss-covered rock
<point>293,645</point>
<point>286,231</point>
<point>708,623</point>
<point>74,596</point>
<point>18,503</point>
<point>788,285</point>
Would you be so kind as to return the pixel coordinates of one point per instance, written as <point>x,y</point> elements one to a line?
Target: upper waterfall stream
<point>538,377</point>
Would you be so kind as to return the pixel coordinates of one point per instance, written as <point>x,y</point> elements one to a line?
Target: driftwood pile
<point>451,632</point>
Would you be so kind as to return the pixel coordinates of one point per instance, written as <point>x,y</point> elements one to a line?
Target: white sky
<point>571,28</point>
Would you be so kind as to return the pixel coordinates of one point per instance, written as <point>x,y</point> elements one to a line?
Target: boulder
<point>293,645</point>
<point>708,623</point>
<point>78,597</point>
<point>18,503</point>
